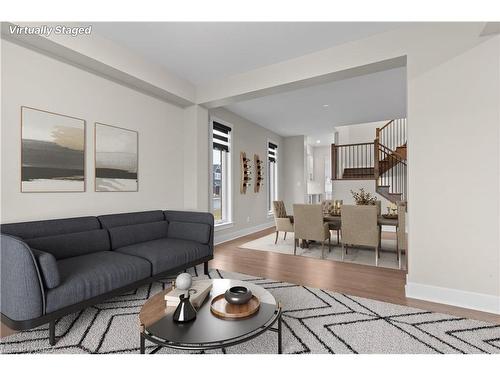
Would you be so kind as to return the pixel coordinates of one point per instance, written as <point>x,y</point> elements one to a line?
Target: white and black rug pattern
<point>314,321</point>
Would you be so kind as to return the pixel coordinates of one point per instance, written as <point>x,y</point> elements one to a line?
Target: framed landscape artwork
<point>116,158</point>
<point>52,152</point>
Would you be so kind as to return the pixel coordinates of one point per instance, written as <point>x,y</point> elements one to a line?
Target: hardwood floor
<point>382,284</point>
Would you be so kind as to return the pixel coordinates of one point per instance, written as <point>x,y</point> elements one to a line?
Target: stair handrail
<point>356,155</point>
<point>396,162</point>
<point>392,153</point>
<point>379,130</point>
<point>392,134</point>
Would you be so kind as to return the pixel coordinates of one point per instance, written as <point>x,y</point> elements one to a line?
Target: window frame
<point>276,177</point>
<point>227,176</point>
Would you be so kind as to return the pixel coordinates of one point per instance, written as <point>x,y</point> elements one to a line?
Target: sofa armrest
<point>189,225</point>
<point>21,288</point>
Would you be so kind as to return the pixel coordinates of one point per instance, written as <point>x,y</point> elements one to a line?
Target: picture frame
<point>53,152</point>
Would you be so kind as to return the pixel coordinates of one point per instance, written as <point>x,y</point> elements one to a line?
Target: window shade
<point>272,151</point>
<point>221,136</point>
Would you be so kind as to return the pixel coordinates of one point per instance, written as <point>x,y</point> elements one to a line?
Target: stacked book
<point>198,293</point>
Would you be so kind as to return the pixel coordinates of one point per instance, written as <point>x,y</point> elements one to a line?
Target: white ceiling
<point>201,52</point>
<point>372,97</point>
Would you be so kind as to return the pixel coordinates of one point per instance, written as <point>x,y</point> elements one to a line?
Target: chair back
<point>279,209</point>
<point>328,205</point>
<point>359,225</point>
<point>401,232</point>
<point>308,222</point>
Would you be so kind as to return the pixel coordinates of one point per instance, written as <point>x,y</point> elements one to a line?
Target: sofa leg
<point>52,333</point>
<point>205,268</point>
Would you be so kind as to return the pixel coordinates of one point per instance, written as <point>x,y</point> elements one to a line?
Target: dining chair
<point>401,235</point>
<point>359,227</point>
<point>309,225</point>
<point>327,206</point>
<point>282,221</point>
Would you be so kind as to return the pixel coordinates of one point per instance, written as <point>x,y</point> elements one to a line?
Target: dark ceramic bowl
<point>238,295</point>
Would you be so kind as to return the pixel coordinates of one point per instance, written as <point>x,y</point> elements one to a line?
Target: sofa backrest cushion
<point>43,228</point>
<point>198,232</point>
<point>190,217</point>
<point>190,225</point>
<point>131,234</point>
<point>118,220</point>
<point>72,244</point>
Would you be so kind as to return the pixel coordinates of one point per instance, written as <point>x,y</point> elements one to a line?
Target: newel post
<point>376,156</point>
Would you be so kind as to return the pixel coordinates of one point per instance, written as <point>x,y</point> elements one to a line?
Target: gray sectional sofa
<point>52,268</point>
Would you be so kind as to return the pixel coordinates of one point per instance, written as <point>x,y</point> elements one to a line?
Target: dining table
<point>336,219</point>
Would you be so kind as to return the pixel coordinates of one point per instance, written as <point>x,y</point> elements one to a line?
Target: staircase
<point>383,160</point>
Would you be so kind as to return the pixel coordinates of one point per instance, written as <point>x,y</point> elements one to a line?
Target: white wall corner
<point>461,298</point>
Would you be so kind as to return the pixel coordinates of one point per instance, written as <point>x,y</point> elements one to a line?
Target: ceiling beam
<point>100,56</point>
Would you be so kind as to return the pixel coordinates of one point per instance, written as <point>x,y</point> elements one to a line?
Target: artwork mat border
<point>95,159</point>
<point>84,153</point>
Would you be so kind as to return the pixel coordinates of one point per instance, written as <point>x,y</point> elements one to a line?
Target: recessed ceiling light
<point>326,105</point>
<point>318,141</point>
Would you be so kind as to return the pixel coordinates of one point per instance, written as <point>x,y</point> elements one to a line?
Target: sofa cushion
<point>72,244</point>
<point>44,228</point>
<point>167,253</point>
<point>118,220</point>
<point>131,234</point>
<point>189,231</point>
<point>90,275</point>
<point>48,268</point>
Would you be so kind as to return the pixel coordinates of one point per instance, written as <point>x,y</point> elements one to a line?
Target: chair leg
<point>343,251</point>
<point>284,237</point>
<point>329,244</point>
<point>276,240</point>
<point>399,255</point>
<point>338,237</point>
<point>376,256</point>
<point>205,268</point>
<point>295,246</point>
<point>323,249</point>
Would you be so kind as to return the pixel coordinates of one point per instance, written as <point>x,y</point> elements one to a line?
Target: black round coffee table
<point>207,331</point>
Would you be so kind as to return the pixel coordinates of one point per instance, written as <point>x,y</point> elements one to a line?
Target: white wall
<point>320,153</point>
<point>358,133</point>
<point>196,164</point>
<point>454,118</point>
<point>33,79</point>
<point>249,210</point>
<point>294,179</point>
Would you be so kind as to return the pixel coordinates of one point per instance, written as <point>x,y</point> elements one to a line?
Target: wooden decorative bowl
<point>224,310</point>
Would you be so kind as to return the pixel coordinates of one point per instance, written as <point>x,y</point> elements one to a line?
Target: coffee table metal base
<point>214,345</point>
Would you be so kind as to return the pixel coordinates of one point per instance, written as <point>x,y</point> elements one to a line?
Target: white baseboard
<point>221,237</point>
<point>470,300</point>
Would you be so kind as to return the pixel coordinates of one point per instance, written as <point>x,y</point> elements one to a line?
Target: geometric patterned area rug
<point>314,321</point>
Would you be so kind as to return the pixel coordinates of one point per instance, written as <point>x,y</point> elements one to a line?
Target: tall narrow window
<point>272,175</point>
<point>221,173</point>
